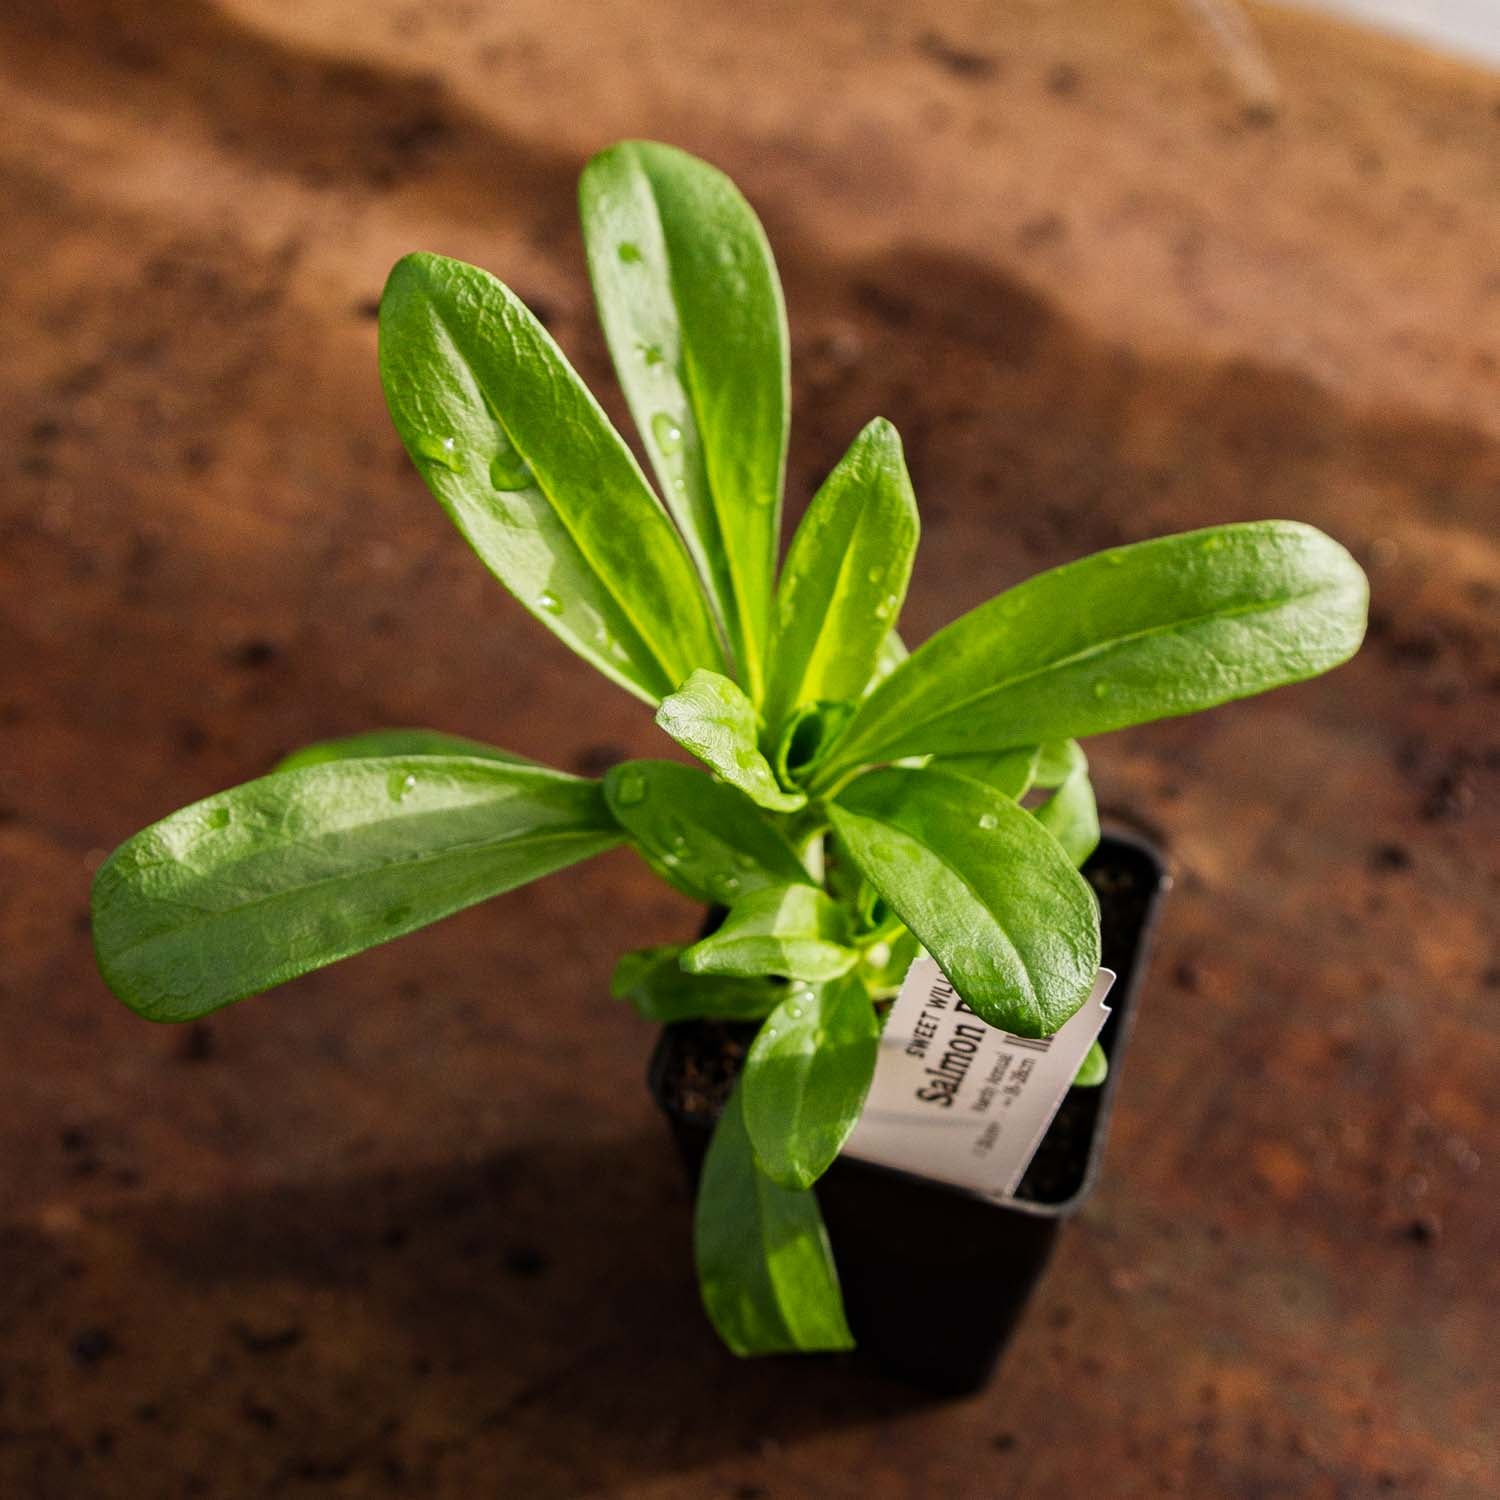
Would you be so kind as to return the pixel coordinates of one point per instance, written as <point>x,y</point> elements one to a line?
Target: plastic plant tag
<point>960,1101</point>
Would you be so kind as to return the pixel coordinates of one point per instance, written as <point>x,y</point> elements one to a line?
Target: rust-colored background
<point>409,1227</point>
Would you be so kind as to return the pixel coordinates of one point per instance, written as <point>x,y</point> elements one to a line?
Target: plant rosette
<point>852,807</point>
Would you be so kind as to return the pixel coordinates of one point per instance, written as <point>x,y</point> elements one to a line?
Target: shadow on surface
<point>529,1317</point>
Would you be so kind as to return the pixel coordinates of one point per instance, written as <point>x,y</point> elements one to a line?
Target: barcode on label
<point>1028,1043</point>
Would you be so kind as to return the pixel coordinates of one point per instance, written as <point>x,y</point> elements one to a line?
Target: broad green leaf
<point>1070,814</point>
<point>254,886</point>
<point>544,489</point>
<point>710,716</point>
<point>987,891</point>
<point>845,578</point>
<point>791,930</point>
<point>892,653</point>
<point>653,981</point>
<point>692,311</point>
<point>396,742</point>
<point>1144,632</point>
<point>1093,1070</point>
<point>765,1270</point>
<point>700,835</point>
<point>806,1078</point>
<point>1009,771</point>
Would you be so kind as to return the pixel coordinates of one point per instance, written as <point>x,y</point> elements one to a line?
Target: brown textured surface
<point>409,1227</point>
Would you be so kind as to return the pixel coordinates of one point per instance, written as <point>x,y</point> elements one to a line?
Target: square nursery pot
<point>935,1277</point>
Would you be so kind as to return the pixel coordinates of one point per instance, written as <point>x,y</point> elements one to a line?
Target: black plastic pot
<point>935,1277</point>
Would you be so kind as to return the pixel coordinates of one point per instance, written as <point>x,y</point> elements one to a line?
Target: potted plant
<point>855,807</point>
<point>895,1235</point>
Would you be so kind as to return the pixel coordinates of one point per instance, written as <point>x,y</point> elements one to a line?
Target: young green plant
<point>852,806</point>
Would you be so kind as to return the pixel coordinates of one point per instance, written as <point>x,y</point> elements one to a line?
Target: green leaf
<point>845,578</point>
<point>710,716</point>
<point>883,964</point>
<point>892,653</point>
<point>395,742</point>
<point>874,916</point>
<point>692,310</point>
<point>652,980</point>
<point>987,891</point>
<point>808,736</point>
<point>792,930</point>
<point>765,1270</point>
<point>1054,762</point>
<point>806,1078</point>
<point>1070,814</point>
<point>254,886</point>
<point>1011,772</point>
<point>700,835</point>
<point>1145,632</point>
<point>1093,1070</point>
<point>544,489</point>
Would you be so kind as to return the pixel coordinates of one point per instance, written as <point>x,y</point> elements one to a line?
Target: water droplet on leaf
<point>549,601</point>
<point>399,783</point>
<point>509,471</point>
<point>875,574</point>
<point>629,252</point>
<point>667,433</point>
<point>630,790</point>
<point>442,451</point>
<point>988,821</point>
<point>1101,689</point>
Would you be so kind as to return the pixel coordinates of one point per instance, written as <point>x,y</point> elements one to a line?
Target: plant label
<point>961,1101</point>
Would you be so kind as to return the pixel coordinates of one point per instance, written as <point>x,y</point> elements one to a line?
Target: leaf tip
<point>691,961</point>
<point>412,270</point>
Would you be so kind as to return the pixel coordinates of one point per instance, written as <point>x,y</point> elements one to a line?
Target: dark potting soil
<point>706,1056</point>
